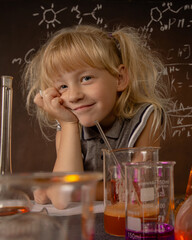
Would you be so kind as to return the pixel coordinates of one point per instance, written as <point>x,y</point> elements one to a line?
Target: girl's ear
<point>123,79</point>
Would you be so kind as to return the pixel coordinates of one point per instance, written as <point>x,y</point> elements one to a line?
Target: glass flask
<point>183,223</point>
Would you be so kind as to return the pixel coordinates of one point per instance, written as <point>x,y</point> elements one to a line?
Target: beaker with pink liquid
<point>149,200</point>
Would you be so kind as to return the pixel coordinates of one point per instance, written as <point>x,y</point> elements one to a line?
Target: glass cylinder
<point>6,124</point>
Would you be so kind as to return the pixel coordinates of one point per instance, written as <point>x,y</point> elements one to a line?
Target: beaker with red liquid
<point>149,201</point>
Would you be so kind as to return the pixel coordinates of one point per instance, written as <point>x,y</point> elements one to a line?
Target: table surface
<point>73,216</point>
<point>47,222</point>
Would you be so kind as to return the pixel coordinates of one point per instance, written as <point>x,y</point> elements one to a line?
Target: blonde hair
<point>83,45</point>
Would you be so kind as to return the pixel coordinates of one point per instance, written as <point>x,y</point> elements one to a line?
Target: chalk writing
<point>182,120</point>
<point>156,16</point>
<point>183,52</point>
<point>79,15</point>
<point>49,16</point>
<point>26,58</point>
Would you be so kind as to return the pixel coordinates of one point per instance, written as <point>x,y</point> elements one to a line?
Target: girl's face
<point>90,93</point>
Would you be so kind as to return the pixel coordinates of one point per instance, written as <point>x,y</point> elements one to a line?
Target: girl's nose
<point>75,94</point>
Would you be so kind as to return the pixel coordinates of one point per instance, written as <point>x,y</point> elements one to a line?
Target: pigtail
<point>145,70</point>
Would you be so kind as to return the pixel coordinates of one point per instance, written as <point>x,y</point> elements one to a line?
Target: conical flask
<point>183,223</point>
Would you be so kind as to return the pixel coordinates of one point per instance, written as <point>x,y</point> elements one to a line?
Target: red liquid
<point>7,211</point>
<point>114,219</point>
<point>166,232</point>
<point>114,194</point>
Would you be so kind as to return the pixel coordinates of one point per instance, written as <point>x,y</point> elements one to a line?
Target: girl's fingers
<point>56,102</point>
<point>50,101</point>
<point>50,93</point>
<point>47,96</point>
<point>40,196</point>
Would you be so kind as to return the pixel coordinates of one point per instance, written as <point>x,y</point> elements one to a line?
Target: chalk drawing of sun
<point>49,16</point>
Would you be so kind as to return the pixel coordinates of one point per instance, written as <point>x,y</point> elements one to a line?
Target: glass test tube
<point>6,125</point>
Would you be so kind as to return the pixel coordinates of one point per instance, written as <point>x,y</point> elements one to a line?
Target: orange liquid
<point>148,212</point>
<point>180,235</point>
<point>7,211</point>
<point>189,186</point>
<point>114,219</point>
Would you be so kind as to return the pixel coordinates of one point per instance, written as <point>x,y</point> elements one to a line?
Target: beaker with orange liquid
<point>114,184</point>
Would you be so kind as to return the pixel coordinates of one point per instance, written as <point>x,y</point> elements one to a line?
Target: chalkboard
<point>25,25</point>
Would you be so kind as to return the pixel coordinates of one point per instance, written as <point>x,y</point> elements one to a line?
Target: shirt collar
<point>113,132</point>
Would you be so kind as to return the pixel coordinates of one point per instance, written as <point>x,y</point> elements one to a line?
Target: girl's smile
<point>83,108</point>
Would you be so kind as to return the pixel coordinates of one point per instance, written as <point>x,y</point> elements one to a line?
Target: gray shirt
<point>124,133</point>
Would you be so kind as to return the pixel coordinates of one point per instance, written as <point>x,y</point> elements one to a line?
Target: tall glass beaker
<point>149,200</point>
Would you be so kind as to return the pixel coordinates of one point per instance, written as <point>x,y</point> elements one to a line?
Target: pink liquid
<point>164,232</point>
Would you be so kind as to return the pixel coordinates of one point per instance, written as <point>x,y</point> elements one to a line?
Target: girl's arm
<point>68,148</point>
<point>69,159</point>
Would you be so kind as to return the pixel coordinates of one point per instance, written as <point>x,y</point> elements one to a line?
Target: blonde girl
<point>86,74</point>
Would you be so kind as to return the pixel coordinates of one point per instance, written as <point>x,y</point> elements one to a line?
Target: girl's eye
<point>62,87</point>
<point>86,78</point>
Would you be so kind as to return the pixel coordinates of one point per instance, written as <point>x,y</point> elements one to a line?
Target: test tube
<point>6,125</point>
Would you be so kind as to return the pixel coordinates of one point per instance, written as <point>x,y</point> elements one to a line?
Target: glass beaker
<point>75,190</point>
<point>114,184</point>
<point>149,200</point>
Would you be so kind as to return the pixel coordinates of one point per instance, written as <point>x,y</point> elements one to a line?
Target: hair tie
<point>115,40</point>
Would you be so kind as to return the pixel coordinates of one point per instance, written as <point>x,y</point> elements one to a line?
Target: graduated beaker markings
<point>150,215</point>
<point>115,187</point>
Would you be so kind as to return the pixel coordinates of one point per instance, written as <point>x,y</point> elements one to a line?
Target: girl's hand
<point>51,102</point>
<point>56,195</point>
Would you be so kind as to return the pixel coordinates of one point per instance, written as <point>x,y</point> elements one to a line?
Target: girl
<point>86,74</point>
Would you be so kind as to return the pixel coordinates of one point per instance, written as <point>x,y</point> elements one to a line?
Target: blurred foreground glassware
<point>73,188</point>
<point>149,200</point>
<point>114,184</point>
<point>13,201</point>
<point>183,223</point>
